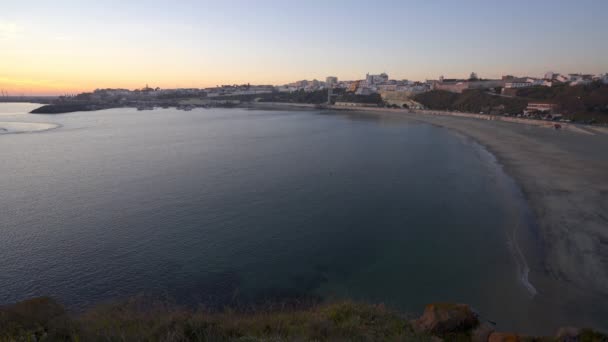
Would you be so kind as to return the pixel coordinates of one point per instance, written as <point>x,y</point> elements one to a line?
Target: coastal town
<point>582,98</point>
<point>274,170</point>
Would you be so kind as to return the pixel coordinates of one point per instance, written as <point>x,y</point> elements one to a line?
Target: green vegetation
<point>43,319</point>
<point>472,101</point>
<point>141,319</point>
<point>320,97</point>
<point>367,99</point>
<point>300,96</point>
<point>437,99</point>
<point>581,102</point>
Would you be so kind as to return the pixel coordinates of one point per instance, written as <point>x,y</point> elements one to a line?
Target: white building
<point>550,75</point>
<point>578,79</point>
<point>562,78</point>
<point>364,91</point>
<point>331,81</point>
<point>527,82</point>
<point>376,79</point>
<point>387,87</point>
<point>518,83</point>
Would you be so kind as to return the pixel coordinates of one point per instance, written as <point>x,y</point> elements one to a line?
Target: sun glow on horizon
<point>73,46</point>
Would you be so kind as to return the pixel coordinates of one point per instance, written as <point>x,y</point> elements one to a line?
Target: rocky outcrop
<point>504,337</point>
<point>568,334</point>
<point>446,318</point>
<point>482,332</point>
<point>70,107</point>
<point>450,322</point>
<point>571,334</point>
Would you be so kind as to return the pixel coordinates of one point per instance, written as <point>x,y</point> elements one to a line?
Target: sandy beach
<point>563,175</point>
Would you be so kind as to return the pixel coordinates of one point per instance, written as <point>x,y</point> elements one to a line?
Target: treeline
<point>320,97</point>
<point>142,319</point>
<point>473,101</point>
<point>367,99</point>
<point>300,96</point>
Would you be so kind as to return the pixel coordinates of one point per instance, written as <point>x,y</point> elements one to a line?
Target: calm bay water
<point>232,204</point>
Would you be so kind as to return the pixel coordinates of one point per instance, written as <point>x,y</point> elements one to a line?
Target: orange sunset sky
<point>59,47</point>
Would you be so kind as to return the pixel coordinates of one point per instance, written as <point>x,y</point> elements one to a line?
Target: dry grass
<point>140,319</point>
<point>346,321</point>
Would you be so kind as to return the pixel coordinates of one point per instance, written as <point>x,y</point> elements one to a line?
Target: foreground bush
<point>43,319</point>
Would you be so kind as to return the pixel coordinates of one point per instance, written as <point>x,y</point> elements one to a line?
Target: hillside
<point>472,101</point>
<point>581,102</point>
<point>320,97</point>
<point>43,319</point>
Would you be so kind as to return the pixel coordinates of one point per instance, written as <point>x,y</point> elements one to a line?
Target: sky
<point>60,46</point>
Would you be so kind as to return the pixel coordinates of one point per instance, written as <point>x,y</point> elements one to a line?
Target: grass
<point>472,101</point>
<point>139,319</point>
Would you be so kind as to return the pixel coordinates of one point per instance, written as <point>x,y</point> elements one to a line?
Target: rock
<point>444,318</point>
<point>568,334</point>
<point>504,337</point>
<point>482,332</point>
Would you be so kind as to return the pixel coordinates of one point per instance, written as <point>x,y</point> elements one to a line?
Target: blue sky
<point>76,45</point>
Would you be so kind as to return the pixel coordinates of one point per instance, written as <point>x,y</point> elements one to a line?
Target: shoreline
<point>568,126</point>
<point>560,175</point>
<point>565,187</point>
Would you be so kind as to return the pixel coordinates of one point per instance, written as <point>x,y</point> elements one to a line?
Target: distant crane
<point>3,95</point>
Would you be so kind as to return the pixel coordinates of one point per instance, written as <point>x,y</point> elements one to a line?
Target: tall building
<point>331,81</point>
<point>376,79</point>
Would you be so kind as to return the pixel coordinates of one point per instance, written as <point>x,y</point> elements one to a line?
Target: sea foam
<point>25,127</point>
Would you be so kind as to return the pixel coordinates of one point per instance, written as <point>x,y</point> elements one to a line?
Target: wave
<point>25,127</point>
<point>523,270</point>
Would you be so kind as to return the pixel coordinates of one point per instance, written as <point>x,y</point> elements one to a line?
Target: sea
<point>240,206</point>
